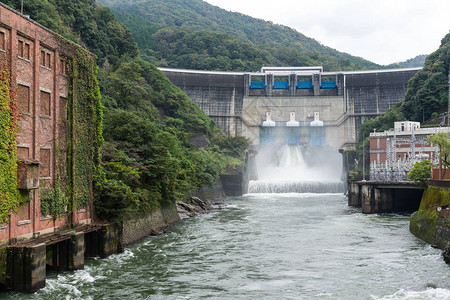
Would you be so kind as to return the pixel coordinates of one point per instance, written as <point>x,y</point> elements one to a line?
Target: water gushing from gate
<point>297,169</point>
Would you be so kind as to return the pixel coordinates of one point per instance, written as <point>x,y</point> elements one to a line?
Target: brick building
<point>38,62</point>
<point>393,152</point>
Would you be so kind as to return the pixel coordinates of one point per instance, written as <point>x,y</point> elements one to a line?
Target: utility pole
<point>21,7</point>
<point>364,162</point>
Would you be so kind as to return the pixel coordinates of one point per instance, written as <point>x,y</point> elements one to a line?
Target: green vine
<point>9,199</point>
<point>87,127</point>
<point>78,154</point>
<point>53,201</point>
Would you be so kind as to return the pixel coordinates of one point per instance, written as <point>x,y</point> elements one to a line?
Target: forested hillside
<point>426,95</point>
<point>157,25</point>
<point>414,62</point>
<point>147,158</point>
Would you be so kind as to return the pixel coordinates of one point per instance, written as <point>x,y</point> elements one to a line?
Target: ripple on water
<point>268,246</point>
<point>428,294</point>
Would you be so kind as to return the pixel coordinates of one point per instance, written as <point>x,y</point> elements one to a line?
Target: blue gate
<point>267,135</point>
<point>316,136</point>
<point>293,135</point>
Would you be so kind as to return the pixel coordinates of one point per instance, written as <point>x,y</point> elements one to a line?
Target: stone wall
<point>135,228</point>
<point>427,223</point>
<point>138,227</point>
<point>442,235</point>
<point>210,193</point>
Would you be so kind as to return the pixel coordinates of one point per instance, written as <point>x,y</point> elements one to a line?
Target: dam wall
<point>220,95</point>
<point>239,102</point>
<point>371,93</point>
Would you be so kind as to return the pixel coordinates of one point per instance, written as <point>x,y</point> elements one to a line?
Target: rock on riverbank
<point>193,206</point>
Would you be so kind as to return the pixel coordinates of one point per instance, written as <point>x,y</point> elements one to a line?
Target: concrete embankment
<point>384,197</point>
<point>135,228</point>
<point>431,222</point>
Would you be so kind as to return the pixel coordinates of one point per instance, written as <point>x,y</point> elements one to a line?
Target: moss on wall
<point>423,222</point>
<point>87,127</point>
<point>9,198</point>
<point>78,151</point>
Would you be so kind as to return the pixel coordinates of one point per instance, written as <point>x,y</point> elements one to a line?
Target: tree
<point>421,173</point>
<point>441,140</point>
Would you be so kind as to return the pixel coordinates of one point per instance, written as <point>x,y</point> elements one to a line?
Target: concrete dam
<point>294,105</point>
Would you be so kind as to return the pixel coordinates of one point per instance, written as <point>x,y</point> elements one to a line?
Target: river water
<point>267,246</point>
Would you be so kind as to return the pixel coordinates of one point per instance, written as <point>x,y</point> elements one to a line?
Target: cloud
<point>383,31</point>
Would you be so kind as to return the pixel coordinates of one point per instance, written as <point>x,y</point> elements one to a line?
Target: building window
<point>23,98</point>
<point>62,108</point>
<point>23,50</point>
<point>44,159</point>
<point>2,41</point>
<point>63,66</point>
<point>23,152</point>
<point>45,104</point>
<point>46,59</point>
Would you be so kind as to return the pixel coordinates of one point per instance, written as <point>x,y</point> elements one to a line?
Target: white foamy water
<point>429,294</point>
<point>288,169</point>
<point>274,186</point>
<point>267,246</point>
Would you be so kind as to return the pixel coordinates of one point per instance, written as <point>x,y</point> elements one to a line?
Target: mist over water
<point>291,168</point>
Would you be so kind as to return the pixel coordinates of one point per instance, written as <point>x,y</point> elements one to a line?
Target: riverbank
<point>431,222</point>
<point>137,227</point>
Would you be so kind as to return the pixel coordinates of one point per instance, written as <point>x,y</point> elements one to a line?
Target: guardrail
<point>439,183</point>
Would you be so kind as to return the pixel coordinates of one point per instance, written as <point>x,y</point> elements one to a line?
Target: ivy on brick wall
<point>78,155</point>
<point>87,112</point>
<point>53,201</point>
<point>9,199</point>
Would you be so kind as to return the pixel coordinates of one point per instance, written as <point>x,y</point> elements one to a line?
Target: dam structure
<point>297,118</point>
<point>327,108</point>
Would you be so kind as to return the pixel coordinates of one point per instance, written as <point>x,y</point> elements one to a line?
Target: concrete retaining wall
<point>384,197</point>
<point>354,194</point>
<point>427,223</point>
<point>138,227</point>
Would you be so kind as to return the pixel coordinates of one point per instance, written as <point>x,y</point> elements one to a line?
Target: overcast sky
<point>382,31</point>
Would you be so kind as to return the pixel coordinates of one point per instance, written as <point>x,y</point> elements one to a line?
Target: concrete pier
<point>24,265</point>
<point>384,197</point>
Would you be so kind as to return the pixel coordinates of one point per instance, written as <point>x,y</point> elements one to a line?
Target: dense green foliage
<point>148,162</point>
<point>228,32</point>
<point>54,201</point>
<point>443,142</point>
<point>428,89</point>
<point>421,173</point>
<point>426,95</point>
<point>206,50</point>
<point>147,159</point>
<point>9,199</point>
